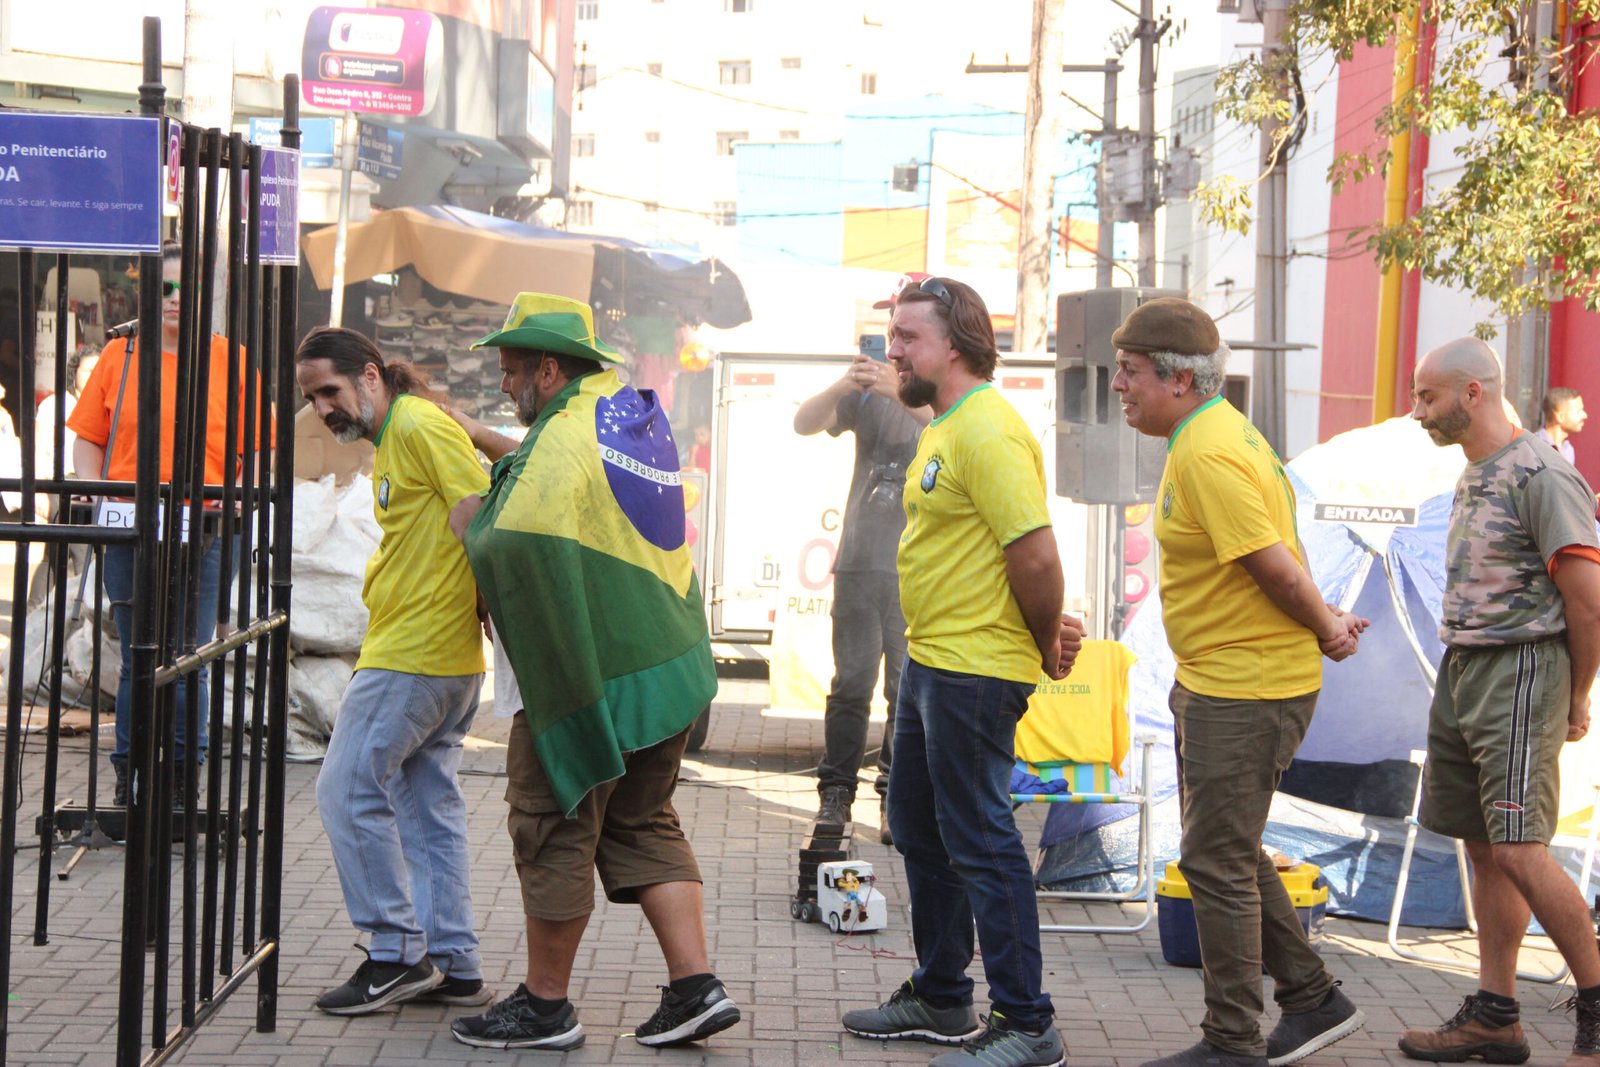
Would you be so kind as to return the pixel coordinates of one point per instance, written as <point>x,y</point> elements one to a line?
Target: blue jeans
<point>395,817</point>
<point>950,814</point>
<point>119,591</point>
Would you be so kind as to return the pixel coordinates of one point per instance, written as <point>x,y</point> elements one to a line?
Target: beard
<point>917,392</point>
<point>1448,427</point>
<point>528,404</point>
<point>352,428</point>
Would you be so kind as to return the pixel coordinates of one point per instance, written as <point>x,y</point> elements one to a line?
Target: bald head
<point>1466,359</point>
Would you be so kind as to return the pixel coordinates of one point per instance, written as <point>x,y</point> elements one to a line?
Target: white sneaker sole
<point>932,1037</point>
<point>571,1039</point>
<point>1321,1041</point>
<point>714,1020</point>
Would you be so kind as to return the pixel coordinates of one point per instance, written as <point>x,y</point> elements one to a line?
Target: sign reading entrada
<point>1378,513</point>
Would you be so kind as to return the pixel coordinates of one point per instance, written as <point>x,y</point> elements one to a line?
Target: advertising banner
<point>80,183</point>
<point>368,60</point>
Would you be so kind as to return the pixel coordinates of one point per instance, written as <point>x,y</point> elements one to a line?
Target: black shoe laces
<point>1464,1014</point>
<point>1588,1038</point>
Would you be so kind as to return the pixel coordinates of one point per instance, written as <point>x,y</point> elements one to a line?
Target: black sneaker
<point>513,1023</point>
<point>680,1020</point>
<point>1301,1033</point>
<point>463,992</point>
<point>906,1016</point>
<point>378,983</point>
<point>1001,1045</point>
<point>834,810</point>
<point>1586,1044</point>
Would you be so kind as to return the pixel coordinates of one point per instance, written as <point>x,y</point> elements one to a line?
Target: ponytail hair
<point>350,351</point>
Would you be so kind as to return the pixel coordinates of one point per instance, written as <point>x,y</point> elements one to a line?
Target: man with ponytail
<point>390,802</point>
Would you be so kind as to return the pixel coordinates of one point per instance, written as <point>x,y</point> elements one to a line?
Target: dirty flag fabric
<point>579,551</point>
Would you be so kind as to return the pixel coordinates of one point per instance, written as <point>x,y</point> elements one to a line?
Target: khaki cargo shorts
<point>626,829</point>
<point>1495,732</point>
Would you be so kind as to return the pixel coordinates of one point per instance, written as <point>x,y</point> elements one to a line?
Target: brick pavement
<point>746,802</point>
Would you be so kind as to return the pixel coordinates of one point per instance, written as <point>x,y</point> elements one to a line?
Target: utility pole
<point>1272,242</point>
<point>1527,371</point>
<point>1149,33</point>
<point>1039,148</point>
<point>1105,247</point>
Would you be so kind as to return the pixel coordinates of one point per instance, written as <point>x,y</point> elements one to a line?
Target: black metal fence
<point>202,866</point>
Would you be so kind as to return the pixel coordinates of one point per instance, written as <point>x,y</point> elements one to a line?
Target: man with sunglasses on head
<point>106,422</point>
<point>869,629</point>
<point>981,586</point>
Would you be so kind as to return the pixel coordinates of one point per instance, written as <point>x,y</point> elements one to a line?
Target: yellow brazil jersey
<point>1224,495</point>
<point>975,486</point>
<point>420,595</point>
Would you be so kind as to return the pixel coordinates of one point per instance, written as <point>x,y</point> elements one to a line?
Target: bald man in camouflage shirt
<point>1521,626</point>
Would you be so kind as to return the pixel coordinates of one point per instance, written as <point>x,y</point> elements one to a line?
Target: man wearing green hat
<point>1248,629</point>
<point>579,551</point>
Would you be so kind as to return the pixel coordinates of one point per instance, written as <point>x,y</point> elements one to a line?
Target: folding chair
<point>1054,727</point>
<point>1419,757</point>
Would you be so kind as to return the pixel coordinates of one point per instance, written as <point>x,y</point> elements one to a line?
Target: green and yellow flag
<point>579,550</point>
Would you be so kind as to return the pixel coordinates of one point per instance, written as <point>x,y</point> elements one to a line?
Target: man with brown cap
<point>869,630</point>
<point>1248,630</point>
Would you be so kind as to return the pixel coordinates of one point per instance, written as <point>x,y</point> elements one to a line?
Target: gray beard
<point>360,426</point>
<point>528,405</point>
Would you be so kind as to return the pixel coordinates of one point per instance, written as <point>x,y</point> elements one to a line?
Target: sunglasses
<point>168,288</point>
<point>935,288</point>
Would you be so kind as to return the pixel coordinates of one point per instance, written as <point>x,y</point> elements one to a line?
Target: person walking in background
<point>1248,629</point>
<point>1563,417</point>
<point>1521,630</point>
<point>982,589</point>
<point>580,552</point>
<point>388,795</point>
<point>869,630</point>
<point>105,420</point>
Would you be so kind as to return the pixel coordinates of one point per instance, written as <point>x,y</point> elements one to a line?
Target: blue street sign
<point>379,151</point>
<point>316,139</point>
<point>280,206</point>
<point>80,183</point>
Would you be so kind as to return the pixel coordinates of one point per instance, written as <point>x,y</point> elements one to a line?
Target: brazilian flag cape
<point>579,550</point>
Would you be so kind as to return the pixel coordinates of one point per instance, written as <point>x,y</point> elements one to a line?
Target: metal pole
<point>142,648</point>
<point>1106,248</point>
<point>1148,33</point>
<point>1039,150</point>
<point>1272,244</point>
<point>347,163</point>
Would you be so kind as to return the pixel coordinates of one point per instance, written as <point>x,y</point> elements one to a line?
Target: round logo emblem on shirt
<point>1166,502</point>
<point>930,475</point>
<point>383,493</point>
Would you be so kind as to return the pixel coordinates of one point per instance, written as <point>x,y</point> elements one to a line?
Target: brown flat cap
<point>1168,324</point>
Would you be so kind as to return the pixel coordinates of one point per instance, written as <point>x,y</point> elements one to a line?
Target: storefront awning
<point>493,259</point>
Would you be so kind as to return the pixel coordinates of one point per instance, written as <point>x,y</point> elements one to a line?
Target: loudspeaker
<point>1099,458</point>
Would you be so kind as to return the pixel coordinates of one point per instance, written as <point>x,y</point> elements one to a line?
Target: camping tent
<point>1343,802</point>
<point>493,259</point>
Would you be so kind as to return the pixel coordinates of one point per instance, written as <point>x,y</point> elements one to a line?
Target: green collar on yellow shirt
<point>378,437</point>
<point>1176,430</point>
<point>975,389</point>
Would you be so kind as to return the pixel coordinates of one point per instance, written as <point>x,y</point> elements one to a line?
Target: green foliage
<point>1518,227</point>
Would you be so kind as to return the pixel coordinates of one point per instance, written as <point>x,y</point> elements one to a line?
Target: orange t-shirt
<point>96,411</point>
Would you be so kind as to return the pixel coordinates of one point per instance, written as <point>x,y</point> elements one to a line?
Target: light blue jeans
<point>395,817</point>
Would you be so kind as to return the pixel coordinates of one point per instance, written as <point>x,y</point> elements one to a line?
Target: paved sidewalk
<point>746,802</point>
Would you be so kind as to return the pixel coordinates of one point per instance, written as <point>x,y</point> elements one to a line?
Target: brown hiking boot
<point>1586,1045</point>
<point>1466,1036</point>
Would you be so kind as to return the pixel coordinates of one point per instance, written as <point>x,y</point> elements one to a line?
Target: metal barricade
<point>210,867</point>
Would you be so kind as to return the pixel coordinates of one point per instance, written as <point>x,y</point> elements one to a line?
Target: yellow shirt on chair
<point>421,599</point>
<point>1083,718</point>
<point>975,486</point>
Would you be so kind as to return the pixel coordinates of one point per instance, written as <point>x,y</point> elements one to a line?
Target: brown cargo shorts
<point>1495,732</point>
<point>626,829</point>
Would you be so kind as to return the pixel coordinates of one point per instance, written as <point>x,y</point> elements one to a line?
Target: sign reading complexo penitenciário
<point>280,206</point>
<point>80,183</point>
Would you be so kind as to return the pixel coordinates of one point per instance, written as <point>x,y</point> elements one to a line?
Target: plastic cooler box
<point>1180,942</point>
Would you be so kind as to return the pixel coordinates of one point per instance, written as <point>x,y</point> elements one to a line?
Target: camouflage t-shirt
<point>1513,511</point>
